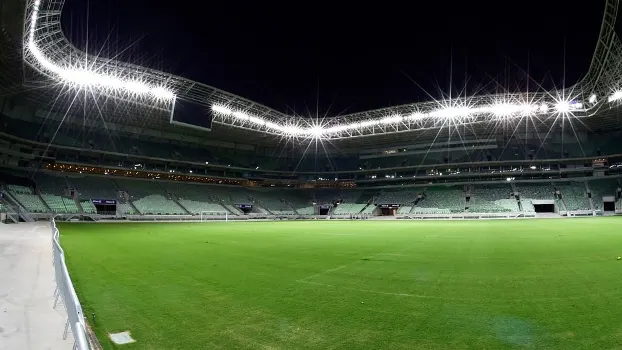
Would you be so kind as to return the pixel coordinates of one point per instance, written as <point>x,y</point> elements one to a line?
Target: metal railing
<point>66,292</point>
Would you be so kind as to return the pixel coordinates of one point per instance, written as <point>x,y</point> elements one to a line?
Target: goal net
<point>214,216</point>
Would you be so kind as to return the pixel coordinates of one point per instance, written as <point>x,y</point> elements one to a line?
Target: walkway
<point>27,319</point>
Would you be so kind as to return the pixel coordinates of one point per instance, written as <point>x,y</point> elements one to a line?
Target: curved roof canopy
<point>47,50</point>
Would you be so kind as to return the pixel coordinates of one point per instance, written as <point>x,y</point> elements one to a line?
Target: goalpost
<point>214,216</point>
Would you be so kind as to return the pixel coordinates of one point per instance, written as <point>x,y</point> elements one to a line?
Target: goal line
<point>208,215</point>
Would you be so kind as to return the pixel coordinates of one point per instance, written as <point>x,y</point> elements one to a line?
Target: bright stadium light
<point>240,115</point>
<point>392,119</point>
<point>592,98</point>
<point>543,108</point>
<point>496,110</point>
<point>221,109</point>
<point>562,107</point>
<point>616,96</point>
<point>451,112</point>
<point>84,76</point>
<point>316,132</point>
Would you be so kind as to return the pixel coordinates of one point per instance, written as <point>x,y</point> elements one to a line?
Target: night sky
<point>356,55</point>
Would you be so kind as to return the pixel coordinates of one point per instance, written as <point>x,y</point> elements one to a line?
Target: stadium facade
<point>87,136</point>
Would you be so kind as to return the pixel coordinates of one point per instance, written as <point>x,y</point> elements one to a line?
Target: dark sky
<point>357,55</point>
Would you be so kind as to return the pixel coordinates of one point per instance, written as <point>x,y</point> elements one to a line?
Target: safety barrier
<point>66,292</point>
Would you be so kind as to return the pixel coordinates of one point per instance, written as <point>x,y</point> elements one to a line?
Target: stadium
<point>485,221</point>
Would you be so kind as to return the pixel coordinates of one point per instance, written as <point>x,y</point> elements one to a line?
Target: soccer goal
<point>214,216</point>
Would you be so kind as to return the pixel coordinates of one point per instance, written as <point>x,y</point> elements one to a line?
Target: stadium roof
<point>147,95</point>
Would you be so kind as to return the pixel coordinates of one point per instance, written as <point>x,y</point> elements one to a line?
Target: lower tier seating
<point>157,204</point>
<point>348,209</point>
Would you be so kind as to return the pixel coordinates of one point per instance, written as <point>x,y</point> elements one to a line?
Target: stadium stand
<point>148,197</point>
<point>300,200</point>
<point>404,209</point>
<point>94,187</point>
<point>492,199</point>
<point>425,211</point>
<point>349,209</point>
<point>573,195</point>
<point>28,199</point>
<point>397,196</point>
<point>88,207</point>
<point>442,200</point>
<point>369,209</point>
<point>534,191</point>
<point>195,198</point>
<point>325,196</point>
<point>229,195</point>
<point>54,192</point>
<point>271,200</point>
<point>540,191</point>
<point>602,188</point>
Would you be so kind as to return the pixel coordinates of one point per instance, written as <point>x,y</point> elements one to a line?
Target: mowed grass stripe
<point>503,284</point>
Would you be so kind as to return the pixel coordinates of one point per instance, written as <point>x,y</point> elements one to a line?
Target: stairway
<point>79,205</point>
<point>587,189</point>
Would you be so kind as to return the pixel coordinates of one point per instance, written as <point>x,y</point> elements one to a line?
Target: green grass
<point>506,284</point>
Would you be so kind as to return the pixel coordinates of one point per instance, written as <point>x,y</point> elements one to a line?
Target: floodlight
<point>240,115</point>
<point>544,108</point>
<point>82,76</point>
<point>562,107</point>
<point>221,109</point>
<point>616,96</point>
<point>592,98</point>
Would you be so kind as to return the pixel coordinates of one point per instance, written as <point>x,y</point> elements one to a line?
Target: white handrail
<point>65,289</point>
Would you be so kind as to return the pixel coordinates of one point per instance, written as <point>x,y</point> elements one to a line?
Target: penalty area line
<point>338,267</point>
<point>324,272</point>
<point>370,291</point>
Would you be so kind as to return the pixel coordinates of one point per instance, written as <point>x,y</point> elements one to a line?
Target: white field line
<point>420,296</point>
<point>324,272</point>
<point>379,292</point>
<point>336,268</point>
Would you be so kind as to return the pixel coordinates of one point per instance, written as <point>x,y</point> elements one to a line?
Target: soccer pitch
<point>503,284</point>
